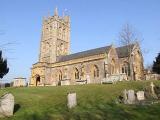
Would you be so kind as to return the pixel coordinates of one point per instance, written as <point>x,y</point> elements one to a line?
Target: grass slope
<point>95,102</point>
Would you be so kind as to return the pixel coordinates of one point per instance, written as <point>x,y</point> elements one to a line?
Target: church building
<point>56,66</point>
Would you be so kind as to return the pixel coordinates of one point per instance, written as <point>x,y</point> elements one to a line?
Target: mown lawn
<point>95,102</point>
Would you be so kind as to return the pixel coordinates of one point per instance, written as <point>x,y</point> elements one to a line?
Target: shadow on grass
<point>16,108</point>
<point>100,111</point>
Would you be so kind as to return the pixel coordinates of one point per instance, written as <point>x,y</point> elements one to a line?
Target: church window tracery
<point>60,75</point>
<point>125,68</point>
<point>113,66</point>
<point>95,71</point>
<point>76,73</point>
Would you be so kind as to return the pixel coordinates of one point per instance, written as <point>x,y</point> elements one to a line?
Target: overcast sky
<point>94,23</point>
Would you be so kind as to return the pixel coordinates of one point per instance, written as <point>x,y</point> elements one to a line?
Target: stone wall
<point>136,63</point>
<point>38,74</point>
<point>79,73</point>
<point>152,76</point>
<point>90,69</point>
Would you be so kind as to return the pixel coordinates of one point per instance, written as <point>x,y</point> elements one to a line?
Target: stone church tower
<point>55,42</point>
<point>55,39</point>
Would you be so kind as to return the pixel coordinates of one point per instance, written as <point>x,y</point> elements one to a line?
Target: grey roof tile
<point>123,51</point>
<point>82,54</point>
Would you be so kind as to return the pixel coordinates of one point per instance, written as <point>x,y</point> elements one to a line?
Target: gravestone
<point>125,96</point>
<point>72,100</point>
<point>152,91</point>
<point>152,88</point>
<point>65,82</point>
<point>6,105</point>
<point>140,95</point>
<point>131,97</point>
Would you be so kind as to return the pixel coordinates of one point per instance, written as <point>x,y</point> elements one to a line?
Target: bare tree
<point>127,37</point>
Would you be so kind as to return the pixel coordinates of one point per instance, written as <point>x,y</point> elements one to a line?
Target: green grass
<point>95,102</point>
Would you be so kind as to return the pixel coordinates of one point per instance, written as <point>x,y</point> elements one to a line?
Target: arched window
<point>125,68</point>
<point>60,75</point>
<point>76,73</point>
<point>112,66</point>
<point>82,71</point>
<point>62,47</point>
<point>95,71</point>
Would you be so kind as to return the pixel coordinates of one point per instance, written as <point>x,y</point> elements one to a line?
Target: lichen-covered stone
<point>6,105</point>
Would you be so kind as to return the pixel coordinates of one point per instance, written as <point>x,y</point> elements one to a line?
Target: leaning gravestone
<point>131,97</point>
<point>6,105</point>
<point>140,95</point>
<point>72,100</point>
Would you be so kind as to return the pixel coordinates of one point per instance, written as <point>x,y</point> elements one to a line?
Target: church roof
<point>123,51</point>
<point>82,54</point>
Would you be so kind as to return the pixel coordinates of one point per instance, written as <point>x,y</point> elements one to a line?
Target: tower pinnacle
<point>56,12</point>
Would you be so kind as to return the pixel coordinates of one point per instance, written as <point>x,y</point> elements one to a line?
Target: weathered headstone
<point>6,105</point>
<point>140,95</point>
<point>72,100</point>
<point>152,91</point>
<point>152,88</point>
<point>131,97</point>
<point>125,94</point>
<point>65,82</point>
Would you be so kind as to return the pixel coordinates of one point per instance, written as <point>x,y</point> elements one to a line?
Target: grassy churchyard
<point>95,102</point>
